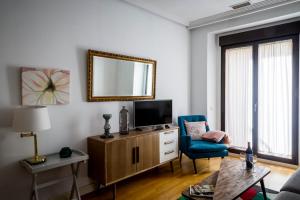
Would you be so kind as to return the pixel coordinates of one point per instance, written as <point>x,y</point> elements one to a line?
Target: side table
<point>54,161</point>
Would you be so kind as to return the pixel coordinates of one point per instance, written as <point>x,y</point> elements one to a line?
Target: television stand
<point>143,151</point>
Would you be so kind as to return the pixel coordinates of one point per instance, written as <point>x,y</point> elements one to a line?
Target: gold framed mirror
<point>115,77</point>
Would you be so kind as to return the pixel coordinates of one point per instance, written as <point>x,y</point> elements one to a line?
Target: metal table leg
<point>262,184</point>
<point>75,170</point>
<point>34,187</point>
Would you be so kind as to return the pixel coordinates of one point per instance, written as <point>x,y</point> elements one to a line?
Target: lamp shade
<point>31,118</point>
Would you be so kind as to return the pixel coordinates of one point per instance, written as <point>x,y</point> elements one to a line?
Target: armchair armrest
<point>185,142</point>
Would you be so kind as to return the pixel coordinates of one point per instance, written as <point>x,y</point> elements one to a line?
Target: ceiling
<point>187,11</point>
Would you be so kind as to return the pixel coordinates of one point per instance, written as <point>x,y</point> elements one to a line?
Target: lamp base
<point>36,160</point>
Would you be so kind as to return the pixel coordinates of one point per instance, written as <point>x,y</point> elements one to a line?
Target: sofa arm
<point>292,184</point>
<point>185,142</point>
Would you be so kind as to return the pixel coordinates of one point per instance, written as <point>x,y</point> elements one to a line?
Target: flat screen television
<point>152,113</point>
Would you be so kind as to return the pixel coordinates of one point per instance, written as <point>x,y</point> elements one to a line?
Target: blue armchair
<point>198,148</point>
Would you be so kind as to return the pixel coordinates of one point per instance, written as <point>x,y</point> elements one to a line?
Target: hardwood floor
<point>162,184</point>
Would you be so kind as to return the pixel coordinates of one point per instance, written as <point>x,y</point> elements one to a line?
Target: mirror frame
<point>90,76</point>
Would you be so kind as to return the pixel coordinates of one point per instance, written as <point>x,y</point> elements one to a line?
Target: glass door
<point>260,97</point>
<point>274,106</point>
<point>238,99</point>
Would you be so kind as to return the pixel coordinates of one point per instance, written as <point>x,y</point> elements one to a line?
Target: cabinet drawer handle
<point>168,132</point>
<point>168,152</point>
<point>133,155</point>
<point>169,142</point>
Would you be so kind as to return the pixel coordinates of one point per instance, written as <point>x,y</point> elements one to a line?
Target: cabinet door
<point>120,158</point>
<point>147,151</point>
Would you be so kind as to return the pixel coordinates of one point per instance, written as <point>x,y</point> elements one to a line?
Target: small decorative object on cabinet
<point>124,121</point>
<point>127,155</point>
<point>28,120</point>
<point>107,134</point>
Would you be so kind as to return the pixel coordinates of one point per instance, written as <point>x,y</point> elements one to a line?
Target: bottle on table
<point>249,157</point>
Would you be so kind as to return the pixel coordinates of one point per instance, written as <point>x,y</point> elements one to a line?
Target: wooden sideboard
<point>123,156</point>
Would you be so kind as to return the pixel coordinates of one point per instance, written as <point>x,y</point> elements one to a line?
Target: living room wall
<point>57,34</point>
<point>206,56</point>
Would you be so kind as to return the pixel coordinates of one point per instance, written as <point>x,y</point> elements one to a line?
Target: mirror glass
<point>117,76</point>
<point>114,77</point>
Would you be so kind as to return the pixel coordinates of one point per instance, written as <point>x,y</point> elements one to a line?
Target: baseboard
<point>269,162</point>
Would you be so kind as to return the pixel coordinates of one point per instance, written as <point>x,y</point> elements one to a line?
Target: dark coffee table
<point>232,180</point>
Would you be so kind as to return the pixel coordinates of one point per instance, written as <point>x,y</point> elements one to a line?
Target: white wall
<point>58,33</point>
<point>206,57</point>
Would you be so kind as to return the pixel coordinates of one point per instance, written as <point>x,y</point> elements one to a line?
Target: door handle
<point>137,154</point>
<point>133,155</point>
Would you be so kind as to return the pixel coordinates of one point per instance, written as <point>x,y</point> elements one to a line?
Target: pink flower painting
<point>45,86</point>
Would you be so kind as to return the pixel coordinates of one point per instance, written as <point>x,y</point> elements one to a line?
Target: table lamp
<point>28,120</point>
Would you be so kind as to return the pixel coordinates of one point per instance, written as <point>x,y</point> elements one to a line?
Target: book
<point>206,191</point>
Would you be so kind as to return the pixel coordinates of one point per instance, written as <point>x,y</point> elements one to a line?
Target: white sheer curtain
<point>275,98</point>
<point>238,95</point>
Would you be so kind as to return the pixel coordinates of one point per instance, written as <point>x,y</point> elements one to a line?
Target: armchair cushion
<point>195,129</point>
<point>190,118</point>
<point>201,146</point>
<point>216,136</point>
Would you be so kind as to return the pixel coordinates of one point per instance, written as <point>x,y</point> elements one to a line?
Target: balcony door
<point>260,94</point>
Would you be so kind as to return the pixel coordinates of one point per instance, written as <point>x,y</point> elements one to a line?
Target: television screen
<point>147,113</point>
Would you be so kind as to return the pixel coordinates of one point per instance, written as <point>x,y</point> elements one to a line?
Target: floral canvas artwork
<point>45,86</point>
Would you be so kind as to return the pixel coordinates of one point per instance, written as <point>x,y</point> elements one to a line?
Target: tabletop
<point>234,179</point>
<point>231,180</point>
<point>54,161</point>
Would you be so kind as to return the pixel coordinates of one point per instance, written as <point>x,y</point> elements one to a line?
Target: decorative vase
<point>124,121</point>
<point>107,127</point>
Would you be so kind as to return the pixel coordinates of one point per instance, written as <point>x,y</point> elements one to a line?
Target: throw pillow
<point>214,136</point>
<point>195,129</point>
